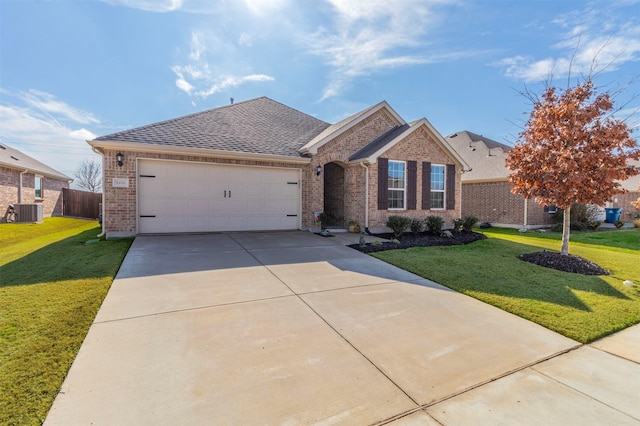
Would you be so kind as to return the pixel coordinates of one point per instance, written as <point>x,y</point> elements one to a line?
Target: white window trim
<point>35,178</point>
<point>404,188</point>
<point>444,190</point>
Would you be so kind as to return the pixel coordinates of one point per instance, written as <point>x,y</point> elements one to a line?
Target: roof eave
<point>434,133</point>
<point>203,152</point>
<point>38,171</point>
<point>312,148</point>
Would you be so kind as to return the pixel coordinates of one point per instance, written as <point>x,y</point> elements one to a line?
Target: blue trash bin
<point>612,214</point>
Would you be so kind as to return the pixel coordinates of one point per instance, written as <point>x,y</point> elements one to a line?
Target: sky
<point>72,70</point>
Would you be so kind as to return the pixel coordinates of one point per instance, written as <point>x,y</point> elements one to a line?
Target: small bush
<point>619,223</point>
<point>468,222</point>
<point>416,226</point>
<point>434,224</point>
<point>458,224</point>
<point>578,226</point>
<point>582,215</point>
<point>636,223</point>
<point>594,225</point>
<point>398,224</point>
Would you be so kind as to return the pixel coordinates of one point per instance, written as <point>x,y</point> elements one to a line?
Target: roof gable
<point>485,156</point>
<point>14,159</point>
<point>257,126</point>
<point>385,142</point>
<point>339,128</point>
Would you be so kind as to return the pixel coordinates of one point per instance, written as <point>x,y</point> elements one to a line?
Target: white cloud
<point>365,36</point>
<point>264,7</point>
<point>591,42</point>
<point>47,103</point>
<point>46,128</point>
<point>245,39</point>
<point>197,48</point>
<point>224,82</point>
<point>159,6</point>
<point>199,79</point>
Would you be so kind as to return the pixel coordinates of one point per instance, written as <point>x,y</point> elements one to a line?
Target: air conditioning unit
<point>28,213</point>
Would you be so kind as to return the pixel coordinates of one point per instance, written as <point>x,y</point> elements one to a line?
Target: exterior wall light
<point>120,159</point>
<point>318,170</point>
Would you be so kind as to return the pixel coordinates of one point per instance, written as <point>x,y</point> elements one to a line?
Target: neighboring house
<point>623,200</point>
<point>261,165</point>
<point>486,192</point>
<point>25,180</point>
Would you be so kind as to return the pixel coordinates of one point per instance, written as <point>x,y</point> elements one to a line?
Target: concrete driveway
<point>292,328</point>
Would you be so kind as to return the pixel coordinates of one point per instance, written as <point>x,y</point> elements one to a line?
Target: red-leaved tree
<point>572,150</point>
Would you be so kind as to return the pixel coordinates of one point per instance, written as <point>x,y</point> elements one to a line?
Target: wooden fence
<point>81,203</point>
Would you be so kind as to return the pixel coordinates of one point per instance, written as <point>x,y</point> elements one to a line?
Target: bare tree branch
<point>89,175</point>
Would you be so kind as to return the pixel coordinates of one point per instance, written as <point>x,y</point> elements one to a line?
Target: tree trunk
<point>566,231</point>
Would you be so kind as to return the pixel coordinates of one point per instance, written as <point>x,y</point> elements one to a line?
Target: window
<point>396,186</point>
<point>37,185</point>
<point>437,186</point>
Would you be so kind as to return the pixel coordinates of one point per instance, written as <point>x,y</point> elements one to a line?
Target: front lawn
<point>52,283</point>
<point>581,307</point>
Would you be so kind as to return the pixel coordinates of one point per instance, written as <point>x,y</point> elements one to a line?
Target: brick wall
<point>418,146</point>
<point>9,182</point>
<point>338,151</point>
<point>629,212</point>
<point>494,202</point>
<point>9,194</point>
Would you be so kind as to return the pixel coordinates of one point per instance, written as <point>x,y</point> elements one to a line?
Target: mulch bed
<point>568,263</point>
<point>547,259</point>
<point>422,239</point>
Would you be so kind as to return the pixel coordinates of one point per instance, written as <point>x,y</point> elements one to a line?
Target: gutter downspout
<point>101,234</point>
<point>366,199</point>
<point>20,186</point>
<point>525,213</point>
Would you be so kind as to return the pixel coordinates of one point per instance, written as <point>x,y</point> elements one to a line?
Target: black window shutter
<point>383,183</point>
<point>451,186</point>
<point>412,184</point>
<point>426,185</point>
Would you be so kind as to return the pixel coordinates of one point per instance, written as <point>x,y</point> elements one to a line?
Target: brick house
<point>624,200</point>
<point>261,165</point>
<point>486,192</point>
<point>25,180</point>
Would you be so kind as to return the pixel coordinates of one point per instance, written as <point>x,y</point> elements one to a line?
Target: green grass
<point>51,286</point>
<point>581,307</point>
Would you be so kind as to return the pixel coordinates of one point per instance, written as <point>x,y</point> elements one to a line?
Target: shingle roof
<point>258,126</point>
<point>379,142</point>
<point>485,156</point>
<point>14,159</point>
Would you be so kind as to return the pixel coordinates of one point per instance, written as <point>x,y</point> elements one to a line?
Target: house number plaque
<point>120,183</point>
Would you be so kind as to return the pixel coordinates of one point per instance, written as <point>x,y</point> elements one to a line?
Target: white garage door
<point>196,197</point>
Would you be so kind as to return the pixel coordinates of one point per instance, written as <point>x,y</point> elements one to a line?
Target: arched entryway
<point>334,195</point>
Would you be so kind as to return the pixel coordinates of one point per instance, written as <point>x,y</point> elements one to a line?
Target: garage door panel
<point>195,197</point>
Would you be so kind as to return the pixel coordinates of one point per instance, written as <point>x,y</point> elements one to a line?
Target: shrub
<point>594,225</point>
<point>582,215</point>
<point>468,222</point>
<point>578,226</point>
<point>458,224</point>
<point>417,226</point>
<point>556,227</point>
<point>434,224</point>
<point>398,224</point>
<point>636,223</point>
<point>619,223</point>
